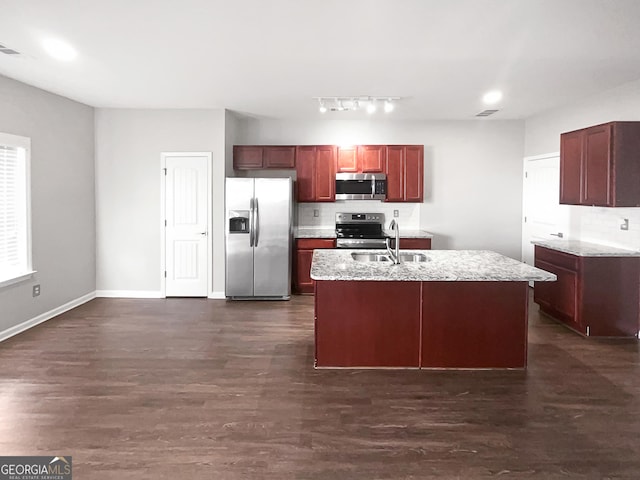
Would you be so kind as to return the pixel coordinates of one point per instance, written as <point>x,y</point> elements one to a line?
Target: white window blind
<point>14,215</point>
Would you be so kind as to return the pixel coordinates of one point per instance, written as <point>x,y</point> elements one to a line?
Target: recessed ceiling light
<point>59,49</point>
<point>371,108</point>
<point>494,96</point>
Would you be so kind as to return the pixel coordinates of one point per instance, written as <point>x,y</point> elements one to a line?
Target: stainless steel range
<point>360,230</point>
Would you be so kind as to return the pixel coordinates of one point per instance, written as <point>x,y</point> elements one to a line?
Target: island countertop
<point>442,266</point>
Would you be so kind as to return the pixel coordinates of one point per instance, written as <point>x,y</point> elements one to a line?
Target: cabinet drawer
<point>561,259</point>
<point>313,243</point>
<point>415,243</point>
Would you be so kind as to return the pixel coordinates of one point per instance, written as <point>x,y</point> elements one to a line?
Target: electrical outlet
<point>36,290</point>
<point>625,224</point>
<point>396,213</point>
<point>316,212</point>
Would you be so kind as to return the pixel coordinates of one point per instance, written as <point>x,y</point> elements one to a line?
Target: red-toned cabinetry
<point>361,159</point>
<point>405,173</point>
<point>596,296</point>
<point>315,172</point>
<point>253,157</point>
<point>599,165</point>
<point>303,255</point>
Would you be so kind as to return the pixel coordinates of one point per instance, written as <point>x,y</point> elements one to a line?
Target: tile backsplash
<point>409,213</point>
<point>602,225</point>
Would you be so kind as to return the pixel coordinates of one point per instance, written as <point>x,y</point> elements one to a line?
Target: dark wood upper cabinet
<point>414,174</point>
<point>405,173</point>
<point>600,165</point>
<point>371,158</point>
<point>247,157</point>
<point>305,173</point>
<point>256,157</point>
<point>325,190</point>
<point>279,157</point>
<point>395,173</point>
<point>315,172</point>
<point>347,159</point>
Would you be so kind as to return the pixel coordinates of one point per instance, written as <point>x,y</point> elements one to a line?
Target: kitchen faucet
<point>395,255</point>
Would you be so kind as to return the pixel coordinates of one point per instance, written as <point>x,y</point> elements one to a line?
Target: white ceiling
<point>270,57</point>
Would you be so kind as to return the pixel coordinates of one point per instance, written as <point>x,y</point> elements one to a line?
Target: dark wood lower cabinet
<point>367,324</point>
<point>421,324</point>
<point>302,257</point>
<point>415,243</point>
<point>595,296</point>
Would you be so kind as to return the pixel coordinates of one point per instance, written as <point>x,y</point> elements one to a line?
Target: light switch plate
<point>36,290</point>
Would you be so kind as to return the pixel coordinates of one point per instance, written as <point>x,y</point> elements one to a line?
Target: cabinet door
<point>571,167</point>
<point>597,166</point>
<point>395,173</point>
<point>559,298</point>
<point>371,158</point>
<point>347,159</point>
<point>304,283</point>
<point>414,174</point>
<point>305,173</point>
<point>247,157</point>
<point>415,243</point>
<point>279,157</point>
<point>325,181</point>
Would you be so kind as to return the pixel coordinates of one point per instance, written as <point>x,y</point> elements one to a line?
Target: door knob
<point>203,233</point>
<point>559,234</point>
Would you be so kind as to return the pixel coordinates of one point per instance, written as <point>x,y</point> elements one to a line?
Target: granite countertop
<point>585,249</point>
<point>443,265</point>
<point>409,233</point>
<point>313,232</point>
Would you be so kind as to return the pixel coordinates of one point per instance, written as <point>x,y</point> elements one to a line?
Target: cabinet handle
<point>559,234</point>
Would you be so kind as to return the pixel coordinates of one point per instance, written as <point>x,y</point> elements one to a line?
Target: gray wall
<point>62,198</point>
<point>128,148</point>
<point>473,171</point>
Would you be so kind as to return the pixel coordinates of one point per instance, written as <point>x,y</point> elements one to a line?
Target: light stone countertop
<point>443,265</point>
<point>585,249</point>
<point>409,233</point>
<point>313,232</point>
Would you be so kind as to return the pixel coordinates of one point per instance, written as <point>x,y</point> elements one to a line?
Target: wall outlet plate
<point>396,213</point>
<point>316,212</point>
<point>36,290</point>
<point>625,224</point>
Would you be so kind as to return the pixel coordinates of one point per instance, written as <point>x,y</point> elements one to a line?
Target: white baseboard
<point>128,294</point>
<point>217,296</point>
<point>16,329</point>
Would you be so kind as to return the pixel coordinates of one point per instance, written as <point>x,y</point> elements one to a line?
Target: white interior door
<point>544,218</point>
<point>186,215</point>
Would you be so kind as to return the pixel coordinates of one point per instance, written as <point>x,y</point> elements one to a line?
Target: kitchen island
<point>457,309</point>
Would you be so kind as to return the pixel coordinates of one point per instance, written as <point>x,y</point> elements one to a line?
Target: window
<point>15,241</point>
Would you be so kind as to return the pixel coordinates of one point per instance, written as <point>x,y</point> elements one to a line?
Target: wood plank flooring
<point>206,389</point>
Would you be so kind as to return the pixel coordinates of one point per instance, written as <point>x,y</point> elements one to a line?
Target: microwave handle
<point>373,185</point>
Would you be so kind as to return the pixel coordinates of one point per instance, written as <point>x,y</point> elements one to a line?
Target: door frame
<point>161,222</point>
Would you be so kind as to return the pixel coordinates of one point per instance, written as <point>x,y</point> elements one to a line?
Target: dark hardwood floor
<point>205,389</point>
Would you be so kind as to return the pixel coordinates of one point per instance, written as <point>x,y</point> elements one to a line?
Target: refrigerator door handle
<point>256,221</point>
<point>251,222</point>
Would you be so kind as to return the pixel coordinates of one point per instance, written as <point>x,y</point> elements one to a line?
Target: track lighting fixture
<point>341,104</point>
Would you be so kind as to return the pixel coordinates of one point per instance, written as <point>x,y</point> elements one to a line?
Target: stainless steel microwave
<point>361,186</point>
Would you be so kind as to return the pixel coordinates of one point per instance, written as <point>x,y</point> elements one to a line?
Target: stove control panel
<point>360,218</point>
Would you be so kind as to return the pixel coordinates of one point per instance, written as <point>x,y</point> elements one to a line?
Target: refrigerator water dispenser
<point>239,221</point>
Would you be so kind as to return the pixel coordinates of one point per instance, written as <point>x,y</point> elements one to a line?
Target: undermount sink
<point>378,257</point>
<point>413,257</point>
<point>370,257</point>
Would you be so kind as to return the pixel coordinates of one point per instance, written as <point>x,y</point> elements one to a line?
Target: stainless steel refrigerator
<point>258,236</point>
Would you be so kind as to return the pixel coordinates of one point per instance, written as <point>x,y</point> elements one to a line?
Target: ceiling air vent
<point>8,51</point>
<point>486,113</point>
